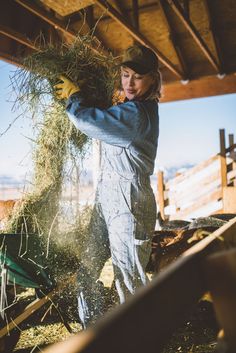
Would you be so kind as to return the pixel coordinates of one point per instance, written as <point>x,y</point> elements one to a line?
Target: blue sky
<point>189,130</point>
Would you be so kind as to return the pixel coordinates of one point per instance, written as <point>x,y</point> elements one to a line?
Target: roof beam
<point>174,39</point>
<point>194,33</point>
<point>18,37</point>
<point>135,14</point>
<point>136,35</point>
<point>214,36</point>
<point>47,17</point>
<point>10,59</point>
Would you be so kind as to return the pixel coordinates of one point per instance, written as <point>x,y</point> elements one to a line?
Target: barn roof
<point>194,39</point>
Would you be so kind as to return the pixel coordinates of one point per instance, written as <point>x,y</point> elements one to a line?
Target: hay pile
<point>57,142</point>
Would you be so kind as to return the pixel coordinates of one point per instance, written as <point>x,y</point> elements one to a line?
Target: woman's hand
<point>65,89</point>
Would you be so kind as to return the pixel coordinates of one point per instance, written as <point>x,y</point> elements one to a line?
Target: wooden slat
<point>192,171</point>
<point>29,310</point>
<point>135,34</point>
<point>203,187</point>
<point>194,33</point>
<point>200,203</point>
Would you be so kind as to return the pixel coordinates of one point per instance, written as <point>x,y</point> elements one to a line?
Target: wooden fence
<point>207,188</point>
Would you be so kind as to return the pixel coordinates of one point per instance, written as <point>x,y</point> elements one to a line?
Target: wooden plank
<point>136,35</point>
<point>192,171</point>
<point>205,186</point>
<point>200,203</point>
<point>194,33</point>
<point>199,87</point>
<point>29,310</point>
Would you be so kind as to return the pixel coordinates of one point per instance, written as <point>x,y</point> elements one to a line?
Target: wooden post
<point>223,165</point>
<point>232,154</point>
<point>160,193</point>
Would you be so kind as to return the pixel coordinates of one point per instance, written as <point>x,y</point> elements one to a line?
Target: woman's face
<point>135,85</point>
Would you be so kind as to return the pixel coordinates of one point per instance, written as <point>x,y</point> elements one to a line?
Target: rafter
<point>47,17</point>
<point>214,36</point>
<point>10,59</point>
<point>18,37</point>
<point>135,14</point>
<point>194,33</point>
<point>173,39</point>
<point>136,35</point>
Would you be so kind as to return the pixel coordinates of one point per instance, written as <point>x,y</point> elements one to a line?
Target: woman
<point>124,215</point>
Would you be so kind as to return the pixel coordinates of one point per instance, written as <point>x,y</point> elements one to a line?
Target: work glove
<point>65,89</point>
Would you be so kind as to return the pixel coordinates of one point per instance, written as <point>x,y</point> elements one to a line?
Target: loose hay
<point>57,142</point>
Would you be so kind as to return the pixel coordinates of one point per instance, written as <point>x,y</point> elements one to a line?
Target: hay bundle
<point>57,140</point>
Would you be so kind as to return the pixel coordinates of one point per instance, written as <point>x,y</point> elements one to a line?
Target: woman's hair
<point>155,90</point>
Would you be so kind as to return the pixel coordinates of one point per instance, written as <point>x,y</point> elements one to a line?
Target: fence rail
<point>201,190</point>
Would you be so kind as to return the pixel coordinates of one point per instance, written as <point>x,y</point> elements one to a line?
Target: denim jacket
<point>128,131</point>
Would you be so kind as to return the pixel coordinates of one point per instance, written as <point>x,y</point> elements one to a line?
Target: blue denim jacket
<point>129,132</point>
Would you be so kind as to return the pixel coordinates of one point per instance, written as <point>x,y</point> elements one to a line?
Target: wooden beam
<point>18,37</point>
<point>10,59</point>
<point>194,33</point>
<point>47,17</point>
<point>136,35</point>
<point>90,16</point>
<point>135,14</point>
<point>121,8</point>
<point>203,87</point>
<point>173,39</point>
<point>214,36</point>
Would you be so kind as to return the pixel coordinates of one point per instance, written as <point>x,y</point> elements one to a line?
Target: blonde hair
<point>155,90</point>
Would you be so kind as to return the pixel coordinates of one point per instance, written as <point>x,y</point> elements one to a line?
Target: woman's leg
<point>130,219</point>
<point>91,297</point>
